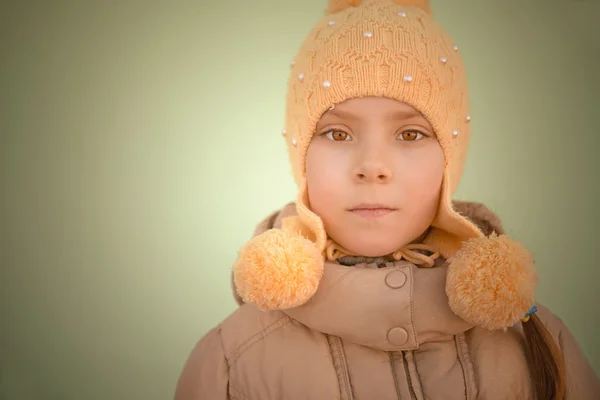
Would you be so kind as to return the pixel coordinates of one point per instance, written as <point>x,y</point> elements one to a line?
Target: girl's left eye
<point>410,135</point>
<point>337,135</point>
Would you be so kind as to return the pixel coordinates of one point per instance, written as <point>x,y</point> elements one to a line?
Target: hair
<point>546,363</point>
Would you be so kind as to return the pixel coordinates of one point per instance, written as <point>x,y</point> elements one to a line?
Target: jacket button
<point>395,279</point>
<point>397,336</point>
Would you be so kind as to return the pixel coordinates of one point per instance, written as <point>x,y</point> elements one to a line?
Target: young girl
<point>375,284</point>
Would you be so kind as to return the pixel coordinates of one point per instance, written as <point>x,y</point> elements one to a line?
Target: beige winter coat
<point>372,333</point>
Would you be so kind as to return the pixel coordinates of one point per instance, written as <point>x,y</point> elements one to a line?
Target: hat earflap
<point>282,268</point>
<point>491,279</point>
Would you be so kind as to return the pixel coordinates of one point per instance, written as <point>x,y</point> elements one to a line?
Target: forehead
<point>372,107</point>
<point>373,102</point>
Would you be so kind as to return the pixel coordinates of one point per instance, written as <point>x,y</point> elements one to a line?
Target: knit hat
<point>393,49</point>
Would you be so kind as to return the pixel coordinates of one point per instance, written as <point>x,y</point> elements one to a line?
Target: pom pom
<point>422,4</point>
<point>278,270</point>
<point>336,6</point>
<point>491,282</point>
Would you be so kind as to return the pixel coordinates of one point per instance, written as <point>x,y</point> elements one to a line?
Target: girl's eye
<point>337,135</point>
<point>410,136</point>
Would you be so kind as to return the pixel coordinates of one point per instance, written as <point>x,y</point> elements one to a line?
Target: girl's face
<point>374,171</point>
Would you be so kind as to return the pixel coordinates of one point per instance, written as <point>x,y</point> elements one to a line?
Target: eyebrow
<point>397,115</point>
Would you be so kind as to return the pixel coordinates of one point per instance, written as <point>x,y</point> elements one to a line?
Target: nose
<point>372,170</point>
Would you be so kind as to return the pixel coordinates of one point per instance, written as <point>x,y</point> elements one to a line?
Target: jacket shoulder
<point>248,325</point>
<point>581,379</point>
<point>553,323</point>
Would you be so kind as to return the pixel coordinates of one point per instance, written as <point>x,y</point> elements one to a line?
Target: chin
<point>373,246</point>
<point>371,252</point>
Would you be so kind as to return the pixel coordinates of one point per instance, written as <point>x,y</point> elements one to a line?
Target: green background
<point>140,144</point>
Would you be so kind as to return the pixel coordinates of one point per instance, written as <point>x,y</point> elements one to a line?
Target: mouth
<point>372,210</point>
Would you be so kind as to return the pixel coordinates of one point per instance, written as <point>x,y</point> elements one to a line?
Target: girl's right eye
<point>337,135</point>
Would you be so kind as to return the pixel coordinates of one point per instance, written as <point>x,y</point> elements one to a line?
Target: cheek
<point>423,176</point>
<point>324,176</point>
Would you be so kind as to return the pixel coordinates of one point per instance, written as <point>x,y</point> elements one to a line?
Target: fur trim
<point>491,282</point>
<point>480,215</point>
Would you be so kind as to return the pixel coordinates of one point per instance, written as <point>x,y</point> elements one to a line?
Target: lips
<point>372,210</point>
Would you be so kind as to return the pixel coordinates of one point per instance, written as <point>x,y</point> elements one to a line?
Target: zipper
<point>394,374</point>
<point>413,396</point>
<point>393,355</point>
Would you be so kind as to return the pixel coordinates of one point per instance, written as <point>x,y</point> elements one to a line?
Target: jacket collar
<point>398,306</point>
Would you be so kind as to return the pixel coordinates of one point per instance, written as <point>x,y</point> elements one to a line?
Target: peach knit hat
<point>393,49</point>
